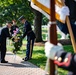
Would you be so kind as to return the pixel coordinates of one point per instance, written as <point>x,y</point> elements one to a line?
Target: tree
<point>13,9</point>
<point>37,26</point>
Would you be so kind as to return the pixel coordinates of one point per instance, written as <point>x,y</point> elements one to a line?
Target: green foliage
<point>17,42</point>
<point>45,20</point>
<point>17,46</point>
<point>13,9</point>
<point>68,48</point>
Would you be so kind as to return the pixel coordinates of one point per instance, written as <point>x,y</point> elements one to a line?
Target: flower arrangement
<point>17,39</point>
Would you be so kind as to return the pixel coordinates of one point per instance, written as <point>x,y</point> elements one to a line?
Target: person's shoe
<point>26,59</point>
<point>3,61</point>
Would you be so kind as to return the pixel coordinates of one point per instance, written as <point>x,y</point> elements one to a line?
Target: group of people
<point>7,32</point>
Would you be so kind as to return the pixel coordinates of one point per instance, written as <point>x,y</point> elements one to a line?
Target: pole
<point>52,33</point>
<point>71,34</point>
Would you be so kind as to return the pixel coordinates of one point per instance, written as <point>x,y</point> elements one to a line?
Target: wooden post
<point>70,30</point>
<point>52,33</point>
<point>71,34</point>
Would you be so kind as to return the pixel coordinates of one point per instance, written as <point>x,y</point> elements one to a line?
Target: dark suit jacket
<point>28,31</point>
<point>4,34</point>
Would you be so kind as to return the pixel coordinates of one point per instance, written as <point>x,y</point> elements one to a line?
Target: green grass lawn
<point>38,56</point>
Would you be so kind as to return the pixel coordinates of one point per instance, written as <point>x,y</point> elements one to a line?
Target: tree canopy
<point>13,9</point>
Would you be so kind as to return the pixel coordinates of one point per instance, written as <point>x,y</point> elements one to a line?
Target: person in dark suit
<point>71,4</point>
<point>3,36</point>
<point>30,37</point>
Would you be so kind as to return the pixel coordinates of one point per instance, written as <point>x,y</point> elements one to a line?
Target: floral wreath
<point>17,40</point>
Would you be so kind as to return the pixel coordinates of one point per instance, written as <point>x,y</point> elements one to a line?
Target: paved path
<point>17,66</point>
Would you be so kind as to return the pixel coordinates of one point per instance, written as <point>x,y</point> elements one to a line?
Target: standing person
<point>30,37</point>
<point>3,36</point>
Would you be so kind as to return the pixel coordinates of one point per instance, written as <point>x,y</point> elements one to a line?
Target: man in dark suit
<point>3,36</point>
<point>30,37</point>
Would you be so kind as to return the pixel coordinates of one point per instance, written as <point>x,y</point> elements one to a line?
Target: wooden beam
<point>70,30</point>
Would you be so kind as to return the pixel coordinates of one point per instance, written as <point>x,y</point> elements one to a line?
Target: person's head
<point>14,22</point>
<point>9,24</point>
<point>22,19</point>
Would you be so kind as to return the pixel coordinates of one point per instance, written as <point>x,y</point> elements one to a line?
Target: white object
<point>51,49</point>
<point>64,11</point>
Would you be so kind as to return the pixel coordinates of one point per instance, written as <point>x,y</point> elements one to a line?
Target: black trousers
<point>3,50</point>
<point>29,50</point>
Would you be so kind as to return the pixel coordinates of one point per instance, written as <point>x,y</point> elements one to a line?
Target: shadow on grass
<point>38,57</point>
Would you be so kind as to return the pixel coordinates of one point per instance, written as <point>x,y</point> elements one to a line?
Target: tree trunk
<point>37,26</point>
